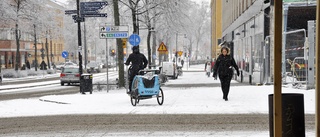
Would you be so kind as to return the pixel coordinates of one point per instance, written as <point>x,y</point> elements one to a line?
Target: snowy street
<point>202,100</point>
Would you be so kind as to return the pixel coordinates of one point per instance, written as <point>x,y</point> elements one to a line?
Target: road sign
<point>84,12</point>
<point>180,53</point>
<point>95,15</point>
<point>134,39</point>
<point>114,35</point>
<point>162,48</point>
<point>84,8</point>
<point>93,4</point>
<point>109,28</point>
<point>70,12</point>
<point>65,54</point>
<point>91,7</point>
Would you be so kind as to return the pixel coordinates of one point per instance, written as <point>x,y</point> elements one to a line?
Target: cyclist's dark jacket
<point>138,62</point>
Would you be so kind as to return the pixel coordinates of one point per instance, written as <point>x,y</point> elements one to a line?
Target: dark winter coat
<point>224,65</point>
<point>138,62</point>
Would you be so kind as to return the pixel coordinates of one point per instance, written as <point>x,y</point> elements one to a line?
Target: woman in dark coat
<point>223,67</point>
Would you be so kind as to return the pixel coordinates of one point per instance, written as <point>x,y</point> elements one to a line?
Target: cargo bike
<point>146,85</point>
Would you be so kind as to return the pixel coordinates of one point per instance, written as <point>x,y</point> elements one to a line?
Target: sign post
<point>112,32</point>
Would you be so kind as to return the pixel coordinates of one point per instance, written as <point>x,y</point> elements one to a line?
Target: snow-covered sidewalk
<point>179,100</point>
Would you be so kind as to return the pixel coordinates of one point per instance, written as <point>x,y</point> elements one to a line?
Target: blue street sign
<point>70,12</point>
<point>108,29</point>
<point>93,4</point>
<point>90,8</point>
<point>113,35</point>
<point>89,12</point>
<point>95,15</point>
<point>65,54</point>
<point>134,39</point>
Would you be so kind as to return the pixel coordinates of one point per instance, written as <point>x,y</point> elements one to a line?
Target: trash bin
<point>293,123</point>
<point>86,83</point>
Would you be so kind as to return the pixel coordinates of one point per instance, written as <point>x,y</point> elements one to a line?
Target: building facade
<point>216,23</point>
<point>52,44</point>
<point>247,29</point>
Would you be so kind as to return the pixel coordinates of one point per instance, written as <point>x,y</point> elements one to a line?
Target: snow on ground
<point>194,100</point>
<point>242,100</point>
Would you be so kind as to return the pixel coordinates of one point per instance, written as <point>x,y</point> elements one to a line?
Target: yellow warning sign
<point>162,48</point>
<point>180,53</point>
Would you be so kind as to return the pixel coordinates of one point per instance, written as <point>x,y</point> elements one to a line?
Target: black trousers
<point>225,84</point>
<point>132,73</point>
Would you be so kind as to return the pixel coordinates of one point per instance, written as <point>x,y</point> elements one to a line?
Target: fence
<point>298,59</point>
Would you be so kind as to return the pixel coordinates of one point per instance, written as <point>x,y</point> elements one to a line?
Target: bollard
<point>293,123</point>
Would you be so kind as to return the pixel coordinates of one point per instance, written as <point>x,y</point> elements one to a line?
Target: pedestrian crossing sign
<point>162,48</point>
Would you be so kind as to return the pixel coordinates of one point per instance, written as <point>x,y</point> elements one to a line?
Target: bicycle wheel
<point>160,97</point>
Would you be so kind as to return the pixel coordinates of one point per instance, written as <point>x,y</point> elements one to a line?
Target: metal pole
<point>317,69</point>
<point>127,76</point>
<point>277,98</point>
<point>107,60</point>
<point>79,42</point>
<point>85,45</point>
<point>176,48</point>
<point>285,22</point>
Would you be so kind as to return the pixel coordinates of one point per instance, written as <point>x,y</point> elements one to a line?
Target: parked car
<point>70,74</point>
<point>169,69</point>
<point>94,67</point>
<point>60,66</point>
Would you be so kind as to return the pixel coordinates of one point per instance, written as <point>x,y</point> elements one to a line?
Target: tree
<point>18,5</point>
<point>142,8</point>
<point>119,43</point>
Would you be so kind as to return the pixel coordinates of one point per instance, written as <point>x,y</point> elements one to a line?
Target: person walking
<point>28,64</point>
<point>138,62</point>
<point>224,68</point>
<point>207,68</point>
<point>182,62</point>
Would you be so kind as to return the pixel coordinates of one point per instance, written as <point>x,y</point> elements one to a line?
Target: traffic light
<point>124,53</point>
<point>113,52</point>
<point>124,43</point>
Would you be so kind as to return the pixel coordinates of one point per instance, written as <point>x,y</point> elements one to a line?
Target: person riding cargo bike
<point>143,83</point>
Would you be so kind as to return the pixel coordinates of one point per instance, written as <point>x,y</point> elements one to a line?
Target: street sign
<point>109,28</point>
<point>91,9</point>
<point>84,12</point>
<point>70,12</point>
<point>134,39</point>
<point>65,54</point>
<point>162,48</point>
<point>94,4</point>
<point>83,8</point>
<point>180,53</point>
<point>114,35</point>
<point>95,15</point>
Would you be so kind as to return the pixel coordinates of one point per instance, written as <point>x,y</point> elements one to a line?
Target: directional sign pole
<point>107,60</point>
<point>79,44</point>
